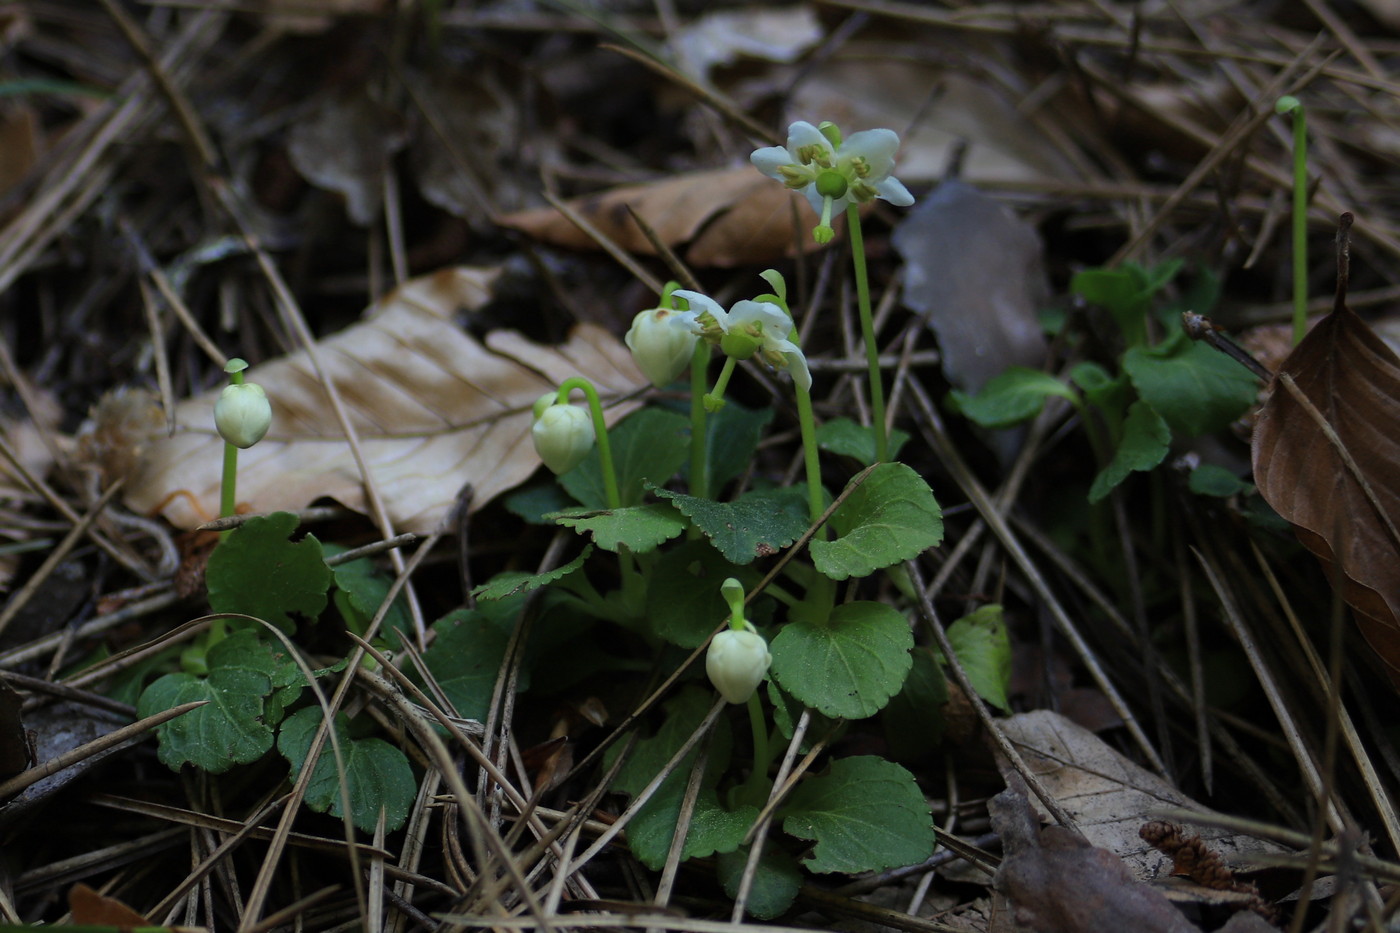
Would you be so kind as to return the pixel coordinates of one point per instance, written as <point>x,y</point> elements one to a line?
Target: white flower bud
<point>662,341</point>
<point>243,414</point>
<point>563,436</point>
<point>737,662</point>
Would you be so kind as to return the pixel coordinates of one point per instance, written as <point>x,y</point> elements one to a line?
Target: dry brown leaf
<point>1331,466</point>
<point>89,907</point>
<point>730,217</point>
<point>433,407</point>
<point>1109,796</point>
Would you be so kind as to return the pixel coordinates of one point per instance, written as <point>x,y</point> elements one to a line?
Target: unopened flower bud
<point>563,436</point>
<point>737,661</point>
<point>243,414</point>
<point>662,342</point>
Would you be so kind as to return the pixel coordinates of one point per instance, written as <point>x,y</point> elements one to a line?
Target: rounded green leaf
<point>890,517</point>
<point>864,813</point>
<point>377,774</point>
<point>1017,395</point>
<point>848,666</point>
<point>258,572</point>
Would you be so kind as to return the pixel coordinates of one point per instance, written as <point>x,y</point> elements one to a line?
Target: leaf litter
<point>357,178</point>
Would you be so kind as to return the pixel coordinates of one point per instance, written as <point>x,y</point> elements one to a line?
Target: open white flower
<point>736,662</point>
<point>662,341</point>
<point>749,328</point>
<point>833,174</point>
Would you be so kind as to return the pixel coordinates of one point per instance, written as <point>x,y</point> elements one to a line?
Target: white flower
<point>863,162</point>
<point>243,414</point>
<point>833,173</point>
<point>751,327</point>
<point>737,661</point>
<point>662,341</point>
<point>563,434</point>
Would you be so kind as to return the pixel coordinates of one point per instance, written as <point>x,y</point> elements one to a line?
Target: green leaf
<point>248,685</point>
<point>913,720</point>
<point>1208,479</point>
<point>983,647</point>
<point>513,583</point>
<point>889,518</point>
<point>377,773</point>
<point>865,814</point>
<point>847,666</point>
<point>466,656</point>
<point>640,528</point>
<point>843,436</point>
<point>1146,440</point>
<point>654,825</point>
<point>648,445</point>
<point>360,590</point>
<point>731,437</point>
<point>775,884</point>
<point>1194,388</point>
<point>712,828</point>
<point>757,524</point>
<point>683,602</point>
<point>1105,392</point>
<point>1015,396</point>
<point>258,572</point>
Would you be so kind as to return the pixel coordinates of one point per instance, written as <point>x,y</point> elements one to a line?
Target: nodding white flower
<point>563,433</point>
<point>749,328</point>
<point>832,173</point>
<point>736,662</point>
<point>243,414</point>
<point>662,341</point>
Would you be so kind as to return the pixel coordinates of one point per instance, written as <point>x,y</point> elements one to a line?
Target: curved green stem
<point>600,431</point>
<point>867,333</point>
<point>755,789</point>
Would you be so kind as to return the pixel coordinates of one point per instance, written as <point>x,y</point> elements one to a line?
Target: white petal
<point>700,303</point>
<point>893,190</point>
<point>877,147</point>
<point>802,134</point>
<point>772,318</point>
<point>769,160</point>
<point>796,364</point>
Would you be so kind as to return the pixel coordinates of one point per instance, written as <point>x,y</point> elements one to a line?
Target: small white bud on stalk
<point>243,414</point>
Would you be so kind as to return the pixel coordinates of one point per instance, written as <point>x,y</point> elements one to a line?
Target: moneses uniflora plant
<point>242,416</point>
<point>691,530</point>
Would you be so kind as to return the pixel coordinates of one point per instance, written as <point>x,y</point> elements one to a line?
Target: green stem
<point>714,401</point>
<point>699,472</point>
<point>228,487</point>
<point>755,789</point>
<point>600,431</point>
<point>867,333</point>
<point>815,503</point>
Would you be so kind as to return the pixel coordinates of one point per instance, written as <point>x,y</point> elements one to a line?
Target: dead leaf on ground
<point>90,907</point>
<point>1056,882</point>
<point>1110,797</point>
<point>729,217</point>
<point>725,36</point>
<point>973,269</point>
<point>433,407</point>
<point>1352,380</point>
<point>344,146</point>
<point>933,108</point>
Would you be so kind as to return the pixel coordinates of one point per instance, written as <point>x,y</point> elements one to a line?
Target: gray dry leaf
<point>1110,797</point>
<point>434,409</point>
<point>723,37</point>
<point>973,269</point>
<point>344,146</point>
